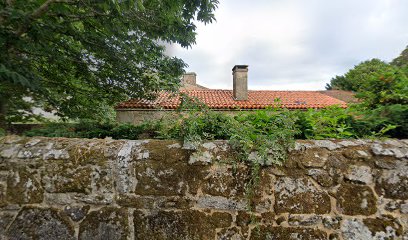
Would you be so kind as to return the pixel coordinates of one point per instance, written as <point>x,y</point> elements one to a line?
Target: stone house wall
<point>139,116</point>
<point>56,188</point>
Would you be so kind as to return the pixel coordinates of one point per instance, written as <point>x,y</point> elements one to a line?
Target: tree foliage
<point>77,57</point>
<point>402,59</point>
<point>375,82</point>
<point>339,83</point>
<point>383,90</point>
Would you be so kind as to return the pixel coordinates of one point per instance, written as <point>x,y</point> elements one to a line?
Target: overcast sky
<point>295,44</point>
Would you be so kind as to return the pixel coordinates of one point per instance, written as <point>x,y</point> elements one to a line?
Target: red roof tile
<point>223,99</point>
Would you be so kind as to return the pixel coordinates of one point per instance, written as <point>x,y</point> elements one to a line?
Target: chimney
<point>240,78</point>
<point>189,78</point>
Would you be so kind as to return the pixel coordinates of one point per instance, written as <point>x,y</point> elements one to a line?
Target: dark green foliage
<point>270,133</point>
<point>357,76</point>
<point>332,122</point>
<point>339,83</point>
<point>267,134</point>
<point>78,58</point>
<point>95,130</point>
<point>383,91</point>
<point>387,86</point>
<point>391,120</point>
<point>357,121</point>
<point>375,82</point>
<point>402,59</point>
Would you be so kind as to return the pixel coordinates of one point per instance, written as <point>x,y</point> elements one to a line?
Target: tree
<point>402,61</point>
<point>375,82</point>
<point>339,83</point>
<point>77,57</point>
<point>387,85</point>
<point>352,80</point>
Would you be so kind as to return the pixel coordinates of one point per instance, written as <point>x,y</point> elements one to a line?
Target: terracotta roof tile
<point>223,99</point>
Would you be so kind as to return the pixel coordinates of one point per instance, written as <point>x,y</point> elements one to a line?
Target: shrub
<point>88,129</point>
<point>53,130</point>
<point>331,122</point>
<point>268,133</point>
<point>390,119</point>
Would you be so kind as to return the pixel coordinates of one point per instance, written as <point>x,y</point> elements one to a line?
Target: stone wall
<point>138,116</point>
<point>54,188</point>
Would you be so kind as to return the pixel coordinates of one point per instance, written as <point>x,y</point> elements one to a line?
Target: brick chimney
<point>240,78</point>
<point>190,78</point>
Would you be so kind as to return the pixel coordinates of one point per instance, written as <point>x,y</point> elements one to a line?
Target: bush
<point>90,129</point>
<point>2,132</point>
<point>53,130</point>
<point>261,136</point>
<point>353,122</point>
<point>390,119</point>
<point>269,133</point>
<point>331,122</point>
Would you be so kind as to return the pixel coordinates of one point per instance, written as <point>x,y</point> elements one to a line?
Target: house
<point>228,101</point>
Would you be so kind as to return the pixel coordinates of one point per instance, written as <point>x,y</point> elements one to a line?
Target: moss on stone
<point>220,219</point>
<point>105,223</point>
<point>153,202</point>
<point>284,233</point>
<point>160,179</point>
<point>321,176</point>
<point>64,178</point>
<point>23,187</point>
<point>300,196</point>
<point>221,180</point>
<point>393,183</point>
<point>158,151</point>
<point>40,223</point>
<point>314,157</point>
<point>88,153</point>
<point>382,224</point>
<point>359,153</point>
<point>3,200</point>
<point>189,224</point>
<point>230,233</point>
<point>268,218</point>
<point>353,199</point>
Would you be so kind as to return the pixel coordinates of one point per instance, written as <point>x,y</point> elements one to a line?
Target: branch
<point>43,8</point>
<point>38,13</point>
<point>9,2</point>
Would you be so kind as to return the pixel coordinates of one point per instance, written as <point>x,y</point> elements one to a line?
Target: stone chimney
<point>189,78</point>
<point>240,78</point>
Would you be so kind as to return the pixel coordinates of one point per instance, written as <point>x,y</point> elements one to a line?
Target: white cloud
<point>295,44</point>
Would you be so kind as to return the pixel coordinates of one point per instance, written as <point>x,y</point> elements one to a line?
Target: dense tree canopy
<point>77,57</point>
<point>402,61</point>
<point>383,90</point>
<point>375,82</point>
<point>339,83</point>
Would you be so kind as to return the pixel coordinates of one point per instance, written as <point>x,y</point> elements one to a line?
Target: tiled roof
<point>223,99</point>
